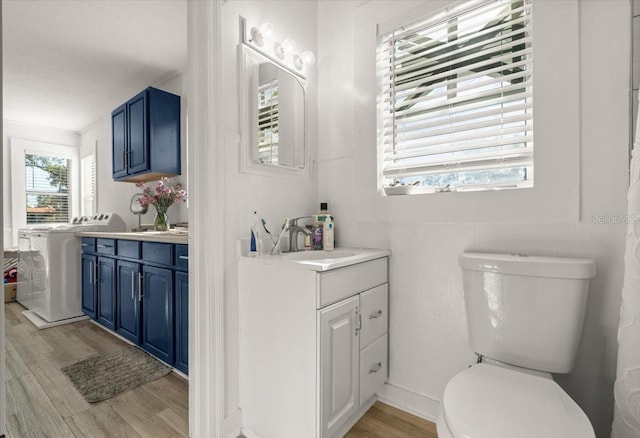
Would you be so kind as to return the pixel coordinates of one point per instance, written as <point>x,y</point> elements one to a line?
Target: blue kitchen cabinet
<point>146,137</point>
<point>106,292</point>
<point>157,312</point>
<point>182,321</point>
<point>128,281</point>
<point>89,291</point>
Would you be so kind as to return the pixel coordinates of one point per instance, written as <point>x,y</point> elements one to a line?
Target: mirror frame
<point>248,157</point>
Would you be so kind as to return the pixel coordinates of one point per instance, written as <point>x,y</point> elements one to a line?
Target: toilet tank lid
<point>535,266</point>
<point>487,401</point>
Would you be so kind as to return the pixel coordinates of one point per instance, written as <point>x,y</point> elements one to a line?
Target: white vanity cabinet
<point>313,345</point>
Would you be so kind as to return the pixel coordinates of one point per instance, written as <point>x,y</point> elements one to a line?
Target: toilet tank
<point>526,310</point>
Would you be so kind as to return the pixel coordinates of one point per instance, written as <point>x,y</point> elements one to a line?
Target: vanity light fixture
<point>261,37</point>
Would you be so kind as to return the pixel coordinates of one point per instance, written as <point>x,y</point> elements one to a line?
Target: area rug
<point>106,375</point>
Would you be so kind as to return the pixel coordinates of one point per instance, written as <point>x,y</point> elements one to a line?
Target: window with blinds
<point>268,122</point>
<point>455,109</point>
<point>88,187</point>
<point>47,189</point>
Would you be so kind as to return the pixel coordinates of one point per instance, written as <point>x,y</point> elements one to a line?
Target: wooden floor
<point>42,402</point>
<point>383,421</point>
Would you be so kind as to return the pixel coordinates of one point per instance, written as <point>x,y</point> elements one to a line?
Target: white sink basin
<point>318,255</point>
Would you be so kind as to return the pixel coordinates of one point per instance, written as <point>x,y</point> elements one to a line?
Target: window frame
<point>388,143</point>
<point>19,148</point>
<point>83,194</point>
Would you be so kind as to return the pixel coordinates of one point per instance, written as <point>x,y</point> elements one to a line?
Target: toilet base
<point>442,427</point>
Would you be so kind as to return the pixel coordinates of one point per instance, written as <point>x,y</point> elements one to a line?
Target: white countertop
<point>147,236</point>
<point>322,260</point>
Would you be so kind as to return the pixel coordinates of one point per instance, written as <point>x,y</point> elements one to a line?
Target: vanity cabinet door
<point>128,281</point>
<point>89,297</point>
<point>106,286</point>
<point>339,367</point>
<point>157,312</point>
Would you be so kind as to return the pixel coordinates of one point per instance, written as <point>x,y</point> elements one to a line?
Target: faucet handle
<point>294,221</point>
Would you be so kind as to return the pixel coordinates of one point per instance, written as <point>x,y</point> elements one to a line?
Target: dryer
<point>49,268</point>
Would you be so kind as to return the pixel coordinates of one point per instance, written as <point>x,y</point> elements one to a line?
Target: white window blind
<point>88,177</point>
<point>47,189</point>
<point>455,107</point>
<point>268,133</point>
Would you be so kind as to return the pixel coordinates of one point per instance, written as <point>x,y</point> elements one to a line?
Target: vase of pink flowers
<point>162,196</point>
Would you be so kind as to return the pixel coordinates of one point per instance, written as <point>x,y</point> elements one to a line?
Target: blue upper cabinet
<point>146,137</point>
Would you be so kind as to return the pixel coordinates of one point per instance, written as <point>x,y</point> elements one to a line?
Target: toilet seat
<point>488,401</point>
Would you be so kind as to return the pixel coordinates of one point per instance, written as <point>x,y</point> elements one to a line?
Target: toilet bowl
<point>524,318</point>
<point>489,401</point>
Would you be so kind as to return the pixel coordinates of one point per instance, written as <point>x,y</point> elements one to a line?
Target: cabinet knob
<point>376,314</point>
<point>377,367</point>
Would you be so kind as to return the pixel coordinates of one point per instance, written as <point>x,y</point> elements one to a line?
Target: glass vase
<point>161,222</point>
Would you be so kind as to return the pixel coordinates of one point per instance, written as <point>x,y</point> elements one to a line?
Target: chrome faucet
<point>294,230</point>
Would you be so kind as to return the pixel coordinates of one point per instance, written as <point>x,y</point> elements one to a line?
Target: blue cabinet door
<point>157,313</point>
<point>89,299</point>
<point>182,321</point>
<point>128,295</point>
<point>107,292</point>
<point>138,134</point>
<point>119,135</point>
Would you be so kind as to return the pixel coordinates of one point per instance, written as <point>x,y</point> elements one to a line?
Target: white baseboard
<point>408,401</point>
<point>233,424</point>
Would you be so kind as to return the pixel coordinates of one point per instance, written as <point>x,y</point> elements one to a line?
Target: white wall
<point>273,197</point>
<point>428,341</point>
<point>114,196</point>
<point>26,132</point>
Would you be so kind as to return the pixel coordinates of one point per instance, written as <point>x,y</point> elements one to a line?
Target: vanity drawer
<point>106,246</point>
<point>159,253</point>
<point>88,244</point>
<point>129,248</point>
<point>182,257</point>
<point>374,367</point>
<point>374,313</point>
<point>341,283</point>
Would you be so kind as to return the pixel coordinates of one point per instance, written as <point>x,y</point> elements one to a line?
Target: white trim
<point>206,249</point>
<point>408,401</point>
<point>19,147</point>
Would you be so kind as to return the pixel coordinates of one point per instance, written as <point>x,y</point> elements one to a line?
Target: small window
<point>47,189</point>
<point>455,108</point>
<point>88,185</point>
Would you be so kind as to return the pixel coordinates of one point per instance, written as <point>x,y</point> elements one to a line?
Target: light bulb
<point>257,36</point>
<point>288,45</point>
<point>278,50</point>
<point>297,62</point>
<point>266,29</point>
<point>308,58</point>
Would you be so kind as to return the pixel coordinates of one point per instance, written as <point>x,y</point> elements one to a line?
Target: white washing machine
<point>49,268</point>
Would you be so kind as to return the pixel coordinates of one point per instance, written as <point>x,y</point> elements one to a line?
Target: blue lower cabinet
<point>89,291</point>
<point>157,313</point>
<point>182,321</point>
<point>128,298</point>
<point>106,282</point>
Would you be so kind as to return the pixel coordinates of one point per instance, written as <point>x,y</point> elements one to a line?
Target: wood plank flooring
<point>384,421</point>
<point>42,402</point>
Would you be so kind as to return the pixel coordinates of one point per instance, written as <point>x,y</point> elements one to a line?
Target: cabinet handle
<point>84,244</point>
<point>377,367</point>
<point>358,321</point>
<point>140,290</point>
<point>132,284</point>
<point>90,272</point>
<point>95,272</point>
<point>376,315</point>
<point>105,246</point>
<point>183,257</point>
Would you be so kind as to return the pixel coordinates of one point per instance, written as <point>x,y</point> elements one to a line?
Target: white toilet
<point>524,318</point>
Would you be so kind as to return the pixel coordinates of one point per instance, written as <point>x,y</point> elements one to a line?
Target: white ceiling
<point>68,63</point>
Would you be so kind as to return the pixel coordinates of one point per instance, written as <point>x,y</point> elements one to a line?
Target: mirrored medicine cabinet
<point>273,116</point>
